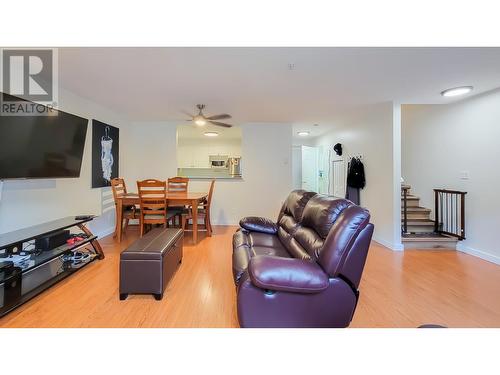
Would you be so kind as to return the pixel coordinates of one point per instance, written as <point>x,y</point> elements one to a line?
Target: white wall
<point>441,141</point>
<point>266,167</point>
<point>29,202</point>
<point>373,132</point>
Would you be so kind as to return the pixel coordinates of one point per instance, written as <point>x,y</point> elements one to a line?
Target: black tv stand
<point>39,270</point>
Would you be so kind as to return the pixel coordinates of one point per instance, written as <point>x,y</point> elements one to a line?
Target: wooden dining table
<point>174,198</point>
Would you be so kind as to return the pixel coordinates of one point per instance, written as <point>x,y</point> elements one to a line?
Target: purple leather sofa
<point>304,270</point>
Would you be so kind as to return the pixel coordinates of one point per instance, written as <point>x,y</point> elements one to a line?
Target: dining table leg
<point>119,221</point>
<point>116,223</point>
<point>194,215</point>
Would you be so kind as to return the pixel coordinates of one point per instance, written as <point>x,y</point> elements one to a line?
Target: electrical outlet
<point>464,175</point>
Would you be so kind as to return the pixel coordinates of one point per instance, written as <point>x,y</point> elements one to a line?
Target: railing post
<point>436,211</point>
<point>405,210</point>
<point>462,216</point>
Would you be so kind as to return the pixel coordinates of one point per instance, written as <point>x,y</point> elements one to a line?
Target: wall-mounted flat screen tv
<point>40,146</point>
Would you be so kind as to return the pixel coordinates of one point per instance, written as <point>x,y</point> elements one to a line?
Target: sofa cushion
<point>309,240</point>
<point>247,245</point>
<point>258,224</point>
<point>289,221</point>
<point>295,203</point>
<point>321,212</point>
<point>304,239</point>
<point>287,274</point>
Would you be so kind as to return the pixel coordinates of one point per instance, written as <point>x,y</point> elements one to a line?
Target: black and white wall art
<point>105,147</point>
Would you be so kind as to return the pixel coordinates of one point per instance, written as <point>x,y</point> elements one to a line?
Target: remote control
<point>83,217</point>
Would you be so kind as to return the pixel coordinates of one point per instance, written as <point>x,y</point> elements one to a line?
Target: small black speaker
<point>53,240</point>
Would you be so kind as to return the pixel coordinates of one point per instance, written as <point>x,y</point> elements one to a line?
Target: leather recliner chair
<point>304,270</point>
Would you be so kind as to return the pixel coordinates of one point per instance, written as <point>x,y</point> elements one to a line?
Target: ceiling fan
<point>200,119</point>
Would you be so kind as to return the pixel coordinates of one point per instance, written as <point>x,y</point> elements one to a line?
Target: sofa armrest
<point>259,224</point>
<point>287,274</point>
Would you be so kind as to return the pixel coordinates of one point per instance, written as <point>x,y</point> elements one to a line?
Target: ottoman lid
<point>152,245</point>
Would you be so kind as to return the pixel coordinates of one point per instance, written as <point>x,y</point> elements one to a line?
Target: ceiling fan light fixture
<point>457,91</point>
<point>211,134</point>
<point>303,133</point>
<point>200,120</point>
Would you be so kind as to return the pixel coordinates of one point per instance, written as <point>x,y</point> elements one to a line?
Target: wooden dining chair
<point>178,184</point>
<point>203,212</point>
<point>119,188</point>
<point>153,204</point>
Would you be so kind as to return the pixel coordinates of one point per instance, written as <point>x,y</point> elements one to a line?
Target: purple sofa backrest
<point>289,221</point>
<point>332,231</point>
<point>346,246</point>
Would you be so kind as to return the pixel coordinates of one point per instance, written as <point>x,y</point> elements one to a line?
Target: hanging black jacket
<point>356,174</point>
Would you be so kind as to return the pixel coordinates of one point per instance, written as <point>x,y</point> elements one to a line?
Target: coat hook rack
<point>358,156</point>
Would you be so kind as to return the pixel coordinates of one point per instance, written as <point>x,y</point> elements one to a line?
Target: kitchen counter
<point>207,173</point>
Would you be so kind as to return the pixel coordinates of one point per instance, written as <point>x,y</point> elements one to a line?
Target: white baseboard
<point>105,232</point>
<point>389,245</point>
<point>478,253</point>
<point>224,223</point>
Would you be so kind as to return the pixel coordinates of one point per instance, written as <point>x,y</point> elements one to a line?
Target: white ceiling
<point>191,131</point>
<point>256,84</point>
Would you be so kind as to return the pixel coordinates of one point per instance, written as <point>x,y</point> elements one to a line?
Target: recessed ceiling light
<point>303,133</point>
<point>457,91</point>
<point>211,134</point>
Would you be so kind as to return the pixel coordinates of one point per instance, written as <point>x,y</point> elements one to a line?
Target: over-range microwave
<point>218,161</point>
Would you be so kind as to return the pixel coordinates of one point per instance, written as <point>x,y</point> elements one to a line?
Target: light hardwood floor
<point>398,290</point>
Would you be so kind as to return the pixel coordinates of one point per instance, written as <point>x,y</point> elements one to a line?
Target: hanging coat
<point>356,174</point>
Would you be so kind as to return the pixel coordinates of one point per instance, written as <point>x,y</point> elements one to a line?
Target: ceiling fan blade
<point>187,114</point>
<point>222,116</point>
<point>220,124</point>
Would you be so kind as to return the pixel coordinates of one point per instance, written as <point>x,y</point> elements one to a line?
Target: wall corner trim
<point>105,232</point>
<point>392,246</point>
<point>478,253</point>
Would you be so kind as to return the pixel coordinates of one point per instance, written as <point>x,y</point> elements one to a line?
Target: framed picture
<point>105,153</point>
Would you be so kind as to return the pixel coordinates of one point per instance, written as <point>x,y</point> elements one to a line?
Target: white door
<point>310,168</point>
<point>338,181</point>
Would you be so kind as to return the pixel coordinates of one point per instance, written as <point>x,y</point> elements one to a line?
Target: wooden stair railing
<point>449,211</point>
<point>404,192</point>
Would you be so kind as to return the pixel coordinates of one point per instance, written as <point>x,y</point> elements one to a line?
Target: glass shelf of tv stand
<point>37,260</point>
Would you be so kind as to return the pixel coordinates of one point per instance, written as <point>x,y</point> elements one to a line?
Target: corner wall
<point>439,144</point>
<point>373,132</point>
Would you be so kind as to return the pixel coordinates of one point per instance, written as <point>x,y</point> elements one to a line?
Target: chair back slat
<point>118,187</point>
<point>153,201</point>
<point>178,184</point>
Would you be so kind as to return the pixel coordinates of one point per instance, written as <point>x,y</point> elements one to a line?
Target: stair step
<point>411,197</point>
<point>411,201</point>
<point>416,209</point>
<point>428,241</point>
<point>419,222</point>
<point>417,216</point>
<point>428,237</point>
